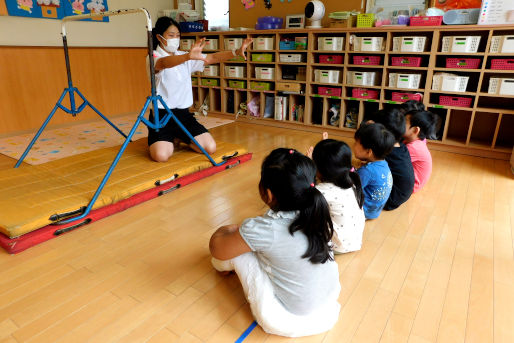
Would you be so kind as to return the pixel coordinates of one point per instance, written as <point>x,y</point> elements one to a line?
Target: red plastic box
<point>502,64</point>
<point>402,97</point>
<point>406,61</point>
<point>331,91</point>
<point>364,93</point>
<point>426,20</point>
<point>457,101</point>
<point>466,63</point>
<point>367,60</point>
<point>331,59</point>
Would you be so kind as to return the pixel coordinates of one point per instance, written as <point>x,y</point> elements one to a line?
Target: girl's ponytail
<point>315,222</point>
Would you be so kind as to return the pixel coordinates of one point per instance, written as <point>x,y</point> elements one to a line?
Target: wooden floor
<point>439,269</point>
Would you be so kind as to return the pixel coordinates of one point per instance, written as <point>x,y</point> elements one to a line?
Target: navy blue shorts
<point>172,130</point>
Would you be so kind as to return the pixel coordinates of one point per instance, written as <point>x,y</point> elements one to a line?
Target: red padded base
<point>18,244</point>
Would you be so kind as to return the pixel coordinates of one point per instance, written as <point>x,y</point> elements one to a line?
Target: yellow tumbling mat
<point>30,195</point>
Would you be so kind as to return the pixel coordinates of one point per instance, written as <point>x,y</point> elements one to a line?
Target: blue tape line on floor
<point>247,332</point>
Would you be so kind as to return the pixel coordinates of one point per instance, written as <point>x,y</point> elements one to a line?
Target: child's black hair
<point>412,105</point>
<point>393,120</point>
<point>425,120</point>
<point>161,25</point>
<point>375,137</point>
<point>290,176</point>
<point>333,159</point>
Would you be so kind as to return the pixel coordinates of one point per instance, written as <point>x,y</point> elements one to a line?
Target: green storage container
<point>237,59</point>
<point>237,84</point>
<point>210,82</point>
<point>194,81</point>
<point>262,57</point>
<point>261,86</point>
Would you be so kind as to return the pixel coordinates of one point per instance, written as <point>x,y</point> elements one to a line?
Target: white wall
<point>123,31</point>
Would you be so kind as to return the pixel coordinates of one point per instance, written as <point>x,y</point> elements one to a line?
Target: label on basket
<point>317,96</point>
<point>335,97</point>
<point>392,102</point>
<point>438,106</point>
<point>371,100</point>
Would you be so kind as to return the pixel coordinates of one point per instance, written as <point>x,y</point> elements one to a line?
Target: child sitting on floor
<point>398,159</point>
<point>419,125</point>
<point>342,189</point>
<point>283,258</point>
<point>372,144</point>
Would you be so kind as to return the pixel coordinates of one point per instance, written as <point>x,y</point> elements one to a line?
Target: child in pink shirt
<point>419,125</point>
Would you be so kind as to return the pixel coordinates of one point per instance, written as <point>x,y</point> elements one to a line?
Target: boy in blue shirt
<point>372,144</point>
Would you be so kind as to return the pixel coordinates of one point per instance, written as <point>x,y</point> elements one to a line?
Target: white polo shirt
<point>174,84</point>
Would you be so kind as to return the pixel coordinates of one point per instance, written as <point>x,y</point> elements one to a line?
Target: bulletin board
<point>3,8</point>
<point>241,17</point>
<point>55,9</point>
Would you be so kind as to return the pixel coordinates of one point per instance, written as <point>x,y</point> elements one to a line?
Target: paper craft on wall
<point>446,5</point>
<point>248,4</point>
<point>267,4</point>
<point>56,9</point>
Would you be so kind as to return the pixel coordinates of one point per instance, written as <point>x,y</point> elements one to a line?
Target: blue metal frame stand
<point>154,99</point>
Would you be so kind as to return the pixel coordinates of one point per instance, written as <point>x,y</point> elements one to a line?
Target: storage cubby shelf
<point>481,130</point>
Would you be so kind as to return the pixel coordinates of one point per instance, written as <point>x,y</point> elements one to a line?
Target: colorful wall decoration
<point>456,4</point>
<point>56,9</point>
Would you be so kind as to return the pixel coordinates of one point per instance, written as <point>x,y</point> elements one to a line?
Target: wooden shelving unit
<point>484,129</point>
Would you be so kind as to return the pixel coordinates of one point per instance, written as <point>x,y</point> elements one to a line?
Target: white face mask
<point>172,44</point>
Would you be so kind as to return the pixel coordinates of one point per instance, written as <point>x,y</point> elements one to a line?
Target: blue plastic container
<point>191,26</point>
<point>286,45</point>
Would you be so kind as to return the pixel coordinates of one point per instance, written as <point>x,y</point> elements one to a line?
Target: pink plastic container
<point>502,64</point>
<point>402,97</point>
<point>457,101</point>
<point>406,61</point>
<point>466,63</point>
<point>367,60</point>
<point>331,59</point>
<point>331,91</point>
<point>364,93</point>
<point>426,21</point>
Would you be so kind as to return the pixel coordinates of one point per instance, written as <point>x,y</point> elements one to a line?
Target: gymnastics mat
<point>31,197</point>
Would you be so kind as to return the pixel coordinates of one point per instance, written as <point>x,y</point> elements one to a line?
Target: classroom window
<point>216,12</point>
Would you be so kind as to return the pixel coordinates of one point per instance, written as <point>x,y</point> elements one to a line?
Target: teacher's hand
<point>196,50</point>
<point>241,51</point>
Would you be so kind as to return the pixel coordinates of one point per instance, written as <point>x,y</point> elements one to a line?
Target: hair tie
<point>312,184</point>
<point>291,151</point>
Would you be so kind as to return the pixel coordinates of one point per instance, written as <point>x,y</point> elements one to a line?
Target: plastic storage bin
<point>233,43</point>
<point>194,81</point>
<point>286,45</point>
<point>426,21</point>
<point>327,76</point>
<point>265,73</point>
<point>211,44</point>
<point>465,63</point>
<point>449,83</point>
<point>364,93</point>
<point>235,71</point>
<point>331,43</point>
<point>457,101</point>
<point>367,60</point>
<point>211,70</point>
<point>502,64</point>
<point>502,86</point>
<point>406,61</point>
<point>264,43</point>
<point>238,84</point>
<point>291,58</point>
<point>409,44</point>
<point>261,86</point>
<point>402,97</point>
<point>404,80</point>
<point>188,26</point>
<point>186,44</point>
<point>367,43</point>
<point>210,82</point>
<point>362,78</point>
<point>331,59</point>
<point>262,57</point>
<point>460,44</point>
<point>502,44</point>
<point>288,87</point>
<point>331,91</point>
